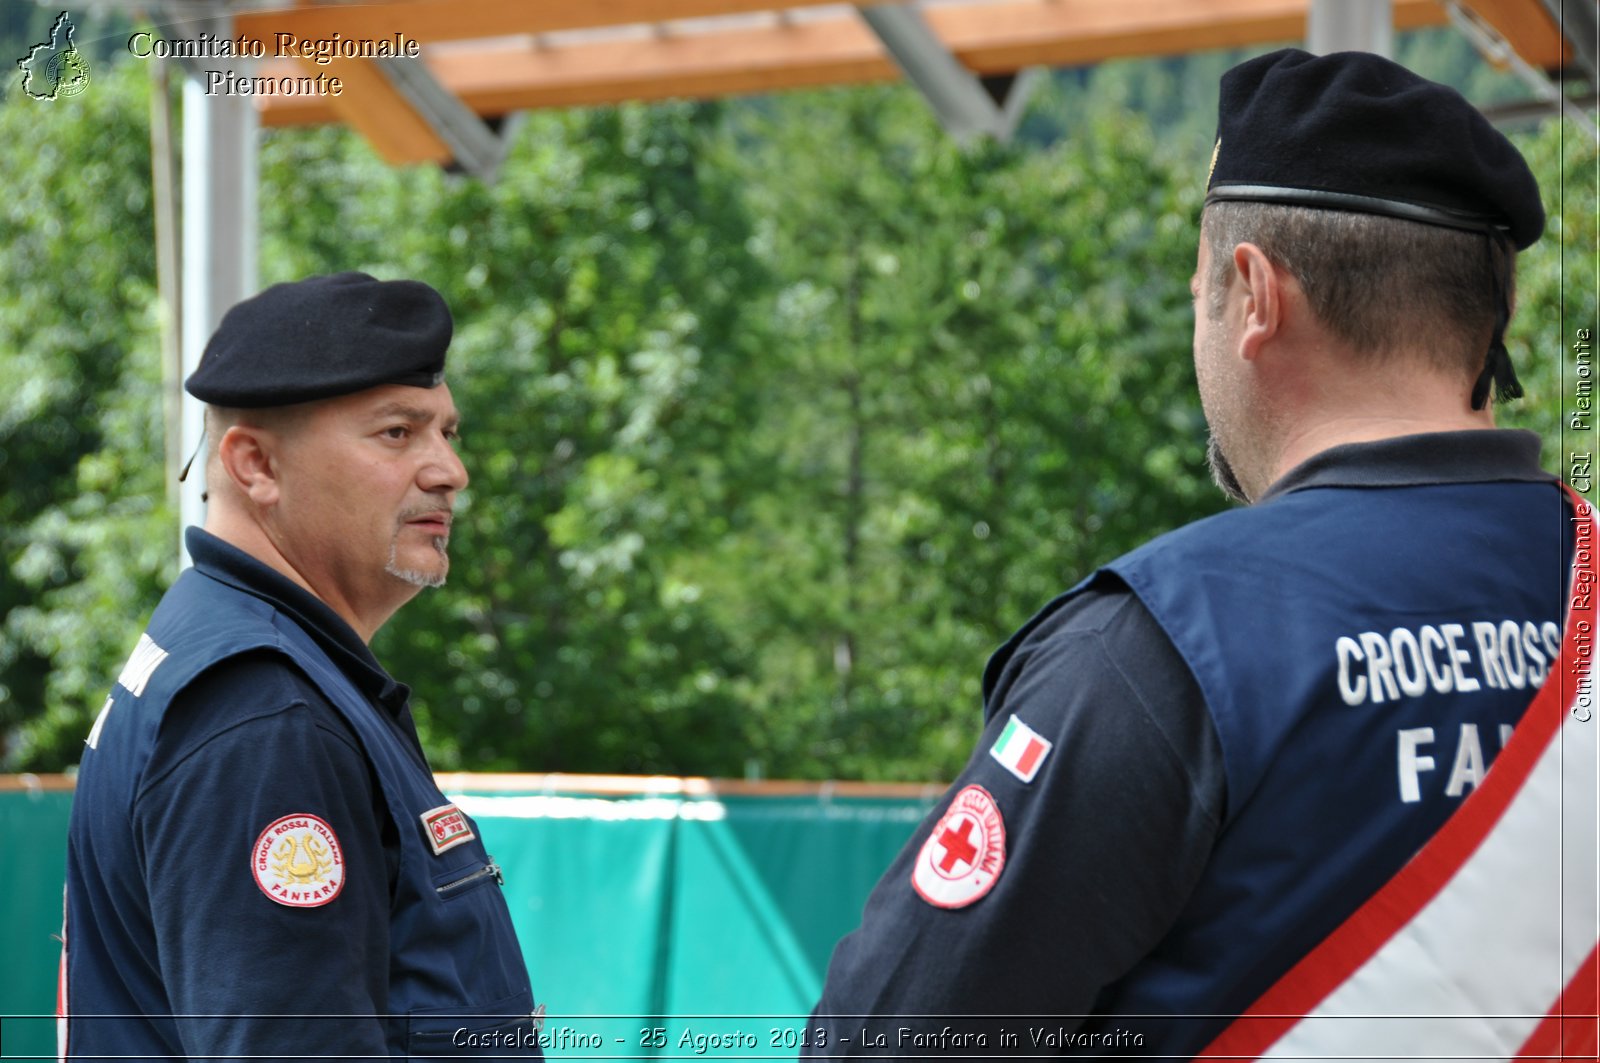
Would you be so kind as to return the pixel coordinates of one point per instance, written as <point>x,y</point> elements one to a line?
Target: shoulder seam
<point>1215,815</point>
<point>146,785</point>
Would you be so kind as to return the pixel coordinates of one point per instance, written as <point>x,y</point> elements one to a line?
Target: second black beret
<point>1355,131</point>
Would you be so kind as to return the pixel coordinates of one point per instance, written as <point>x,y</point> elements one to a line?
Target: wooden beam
<point>998,38</point>
<point>1145,28</point>
<point>498,79</point>
<point>1528,28</point>
<point>454,20</point>
<point>371,105</point>
<point>494,79</point>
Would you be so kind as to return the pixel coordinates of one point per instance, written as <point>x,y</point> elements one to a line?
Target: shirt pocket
<point>466,877</point>
<point>503,1028</point>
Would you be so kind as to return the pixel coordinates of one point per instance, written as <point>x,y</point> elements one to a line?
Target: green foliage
<point>601,285</point>
<point>780,414</point>
<point>85,532</point>
<point>993,351</point>
<point>779,417</point>
<point>1556,286</point>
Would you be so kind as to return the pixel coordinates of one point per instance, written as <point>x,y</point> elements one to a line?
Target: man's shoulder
<point>1234,524</point>
<point>1102,612</point>
<point>1102,605</point>
<point>206,631</point>
<point>199,600</point>
<point>1341,520</point>
<point>252,689</point>
<point>246,683</point>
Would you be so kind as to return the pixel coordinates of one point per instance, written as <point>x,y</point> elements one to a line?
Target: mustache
<point>411,513</point>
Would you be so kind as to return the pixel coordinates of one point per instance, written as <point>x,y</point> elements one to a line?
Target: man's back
<point>1365,652</point>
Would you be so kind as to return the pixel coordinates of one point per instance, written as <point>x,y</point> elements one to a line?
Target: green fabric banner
<point>654,926</point>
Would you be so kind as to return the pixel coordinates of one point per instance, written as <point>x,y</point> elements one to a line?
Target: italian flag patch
<point>1020,749</point>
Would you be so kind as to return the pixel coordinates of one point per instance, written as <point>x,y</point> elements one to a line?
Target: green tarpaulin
<point>666,926</point>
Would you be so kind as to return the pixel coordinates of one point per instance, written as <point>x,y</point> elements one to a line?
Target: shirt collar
<point>1472,456</point>
<point>226,563</point>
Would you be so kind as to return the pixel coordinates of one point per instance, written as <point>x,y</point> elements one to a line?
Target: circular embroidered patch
<point>965,853</point>
<point>298,861</point>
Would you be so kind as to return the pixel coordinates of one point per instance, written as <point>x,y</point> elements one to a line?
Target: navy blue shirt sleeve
<point>248,743</point>
<point>1102,848</point>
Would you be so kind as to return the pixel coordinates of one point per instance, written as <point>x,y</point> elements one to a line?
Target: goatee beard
<point>416,577</point>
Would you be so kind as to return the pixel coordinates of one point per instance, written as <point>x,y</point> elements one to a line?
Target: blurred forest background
<point>781,412</point>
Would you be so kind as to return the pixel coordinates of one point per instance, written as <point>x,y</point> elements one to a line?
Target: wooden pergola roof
<point>500,56</point>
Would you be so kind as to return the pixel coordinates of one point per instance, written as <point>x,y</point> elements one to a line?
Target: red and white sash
<point>1484,945</point>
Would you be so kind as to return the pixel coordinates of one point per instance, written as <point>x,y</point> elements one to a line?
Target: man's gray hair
<point>1379,284</point>
<point>218,419</point>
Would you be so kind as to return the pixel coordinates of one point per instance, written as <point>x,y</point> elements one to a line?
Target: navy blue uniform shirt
<point>175,930</point>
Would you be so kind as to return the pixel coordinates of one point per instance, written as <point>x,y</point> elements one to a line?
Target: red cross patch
<point>964,854</point>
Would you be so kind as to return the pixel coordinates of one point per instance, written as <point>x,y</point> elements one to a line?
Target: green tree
<point>601,285</point>
<point>85,531</point>
<point>992,346</point>
<point>780,413</point>
<point>1556,286</point>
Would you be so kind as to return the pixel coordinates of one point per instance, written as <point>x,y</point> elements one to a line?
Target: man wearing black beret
<point>1232,797</point>
<point>259,862</point>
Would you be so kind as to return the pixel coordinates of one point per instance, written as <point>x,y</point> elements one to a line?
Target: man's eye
<point>396,431</point>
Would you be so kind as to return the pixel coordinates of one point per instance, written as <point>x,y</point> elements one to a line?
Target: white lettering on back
<point>1489,653</point>
<point>142,664</point>
<point>1412,763</point>
<point>93,741</point>
<point>1468,768</point>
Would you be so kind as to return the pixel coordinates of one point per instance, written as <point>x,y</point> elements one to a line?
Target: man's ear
<point>1263,298</point>
<point>249,457</point>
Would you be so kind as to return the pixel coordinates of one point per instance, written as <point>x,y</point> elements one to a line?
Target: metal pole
<point>955,93</point>
<point>219,231</point>
<point>1350,26</point>
<point>163,166</point>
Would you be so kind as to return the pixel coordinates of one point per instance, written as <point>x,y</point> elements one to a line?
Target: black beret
<point>322,337</point>
<point>1354,131</point>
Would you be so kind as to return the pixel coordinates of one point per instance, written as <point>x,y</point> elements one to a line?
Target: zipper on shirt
<point>491,869</point>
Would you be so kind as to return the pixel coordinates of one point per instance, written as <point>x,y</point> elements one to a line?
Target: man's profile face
<point>368,484</point>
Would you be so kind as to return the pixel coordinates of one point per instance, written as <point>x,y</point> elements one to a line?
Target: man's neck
<point>1311,437</point>
<point>252,539</point>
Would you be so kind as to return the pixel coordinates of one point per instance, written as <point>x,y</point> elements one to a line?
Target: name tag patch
<point>446,828</point>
